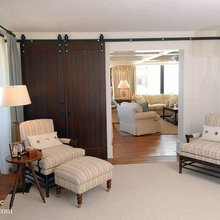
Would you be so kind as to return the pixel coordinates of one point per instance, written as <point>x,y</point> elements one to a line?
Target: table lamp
<point>13,96</point>
<point>123,86</point>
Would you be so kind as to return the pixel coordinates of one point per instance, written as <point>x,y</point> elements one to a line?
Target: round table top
<point>24,158</point>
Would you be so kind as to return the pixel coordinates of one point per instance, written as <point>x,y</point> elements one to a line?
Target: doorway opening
<point>146,81</point>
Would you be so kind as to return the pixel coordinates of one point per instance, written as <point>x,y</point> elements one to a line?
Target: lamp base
<point>17,123</point>
<point>123,94</point>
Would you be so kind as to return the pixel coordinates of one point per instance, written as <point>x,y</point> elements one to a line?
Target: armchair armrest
<point>194,135</point>
<point>68,141</point>
<point>65,140</point>
<point>145,115</point>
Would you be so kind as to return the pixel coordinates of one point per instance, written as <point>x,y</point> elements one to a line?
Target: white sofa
<point>156,102</point>
<point>134,121</point>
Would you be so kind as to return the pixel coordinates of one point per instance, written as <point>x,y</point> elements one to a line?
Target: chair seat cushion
<point>202,148</point>
<point>60,154</point>
<point>82,170</point>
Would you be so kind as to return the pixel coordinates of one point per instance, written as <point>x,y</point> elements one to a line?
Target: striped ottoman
<point>82,174</point>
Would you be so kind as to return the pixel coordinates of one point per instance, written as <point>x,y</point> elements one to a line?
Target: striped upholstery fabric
<point>35,127</point>
<point>199,147</point>
<point>202,149</point>
<point>212,120</point>
<point>43,171</point>
<point>82,174</point>
<point>54,156</point>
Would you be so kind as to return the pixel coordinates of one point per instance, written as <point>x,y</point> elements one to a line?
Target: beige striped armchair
<point>52,156</point>
<point>198,153</point>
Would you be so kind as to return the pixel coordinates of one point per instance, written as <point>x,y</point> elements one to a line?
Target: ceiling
<point>144,57</point>
<point>109,15</point>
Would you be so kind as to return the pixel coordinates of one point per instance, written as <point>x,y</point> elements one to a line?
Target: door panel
<point>43,75</point>
<point>85,92</point>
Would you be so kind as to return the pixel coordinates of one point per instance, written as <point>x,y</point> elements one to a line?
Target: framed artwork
<point>18,148</point>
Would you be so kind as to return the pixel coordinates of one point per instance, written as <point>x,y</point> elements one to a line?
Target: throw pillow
<point>145,107</point>
<point>210,133</point>
<point>138,98</point>
<point>44,140</point>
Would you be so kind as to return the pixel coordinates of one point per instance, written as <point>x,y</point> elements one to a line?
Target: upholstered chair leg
<point>109,185</point>
<point>79,200</point>
<point>180,164</point>
<point>58,190</point>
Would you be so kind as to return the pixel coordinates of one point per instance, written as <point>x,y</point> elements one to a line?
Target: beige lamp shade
<point>123,84</point>
<point>14,96</point>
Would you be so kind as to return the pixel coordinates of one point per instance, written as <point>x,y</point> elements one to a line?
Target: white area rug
<point>141,191</point>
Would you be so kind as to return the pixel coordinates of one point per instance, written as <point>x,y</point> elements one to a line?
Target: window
<point>148,79</point>
<point>171,79</point>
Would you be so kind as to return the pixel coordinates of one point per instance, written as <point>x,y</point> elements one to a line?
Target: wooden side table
<point>21,167</point>
<point>168,117</point>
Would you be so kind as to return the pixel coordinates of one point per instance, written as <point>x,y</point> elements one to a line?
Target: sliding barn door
<point>86,96</point>
<point>42,71</point>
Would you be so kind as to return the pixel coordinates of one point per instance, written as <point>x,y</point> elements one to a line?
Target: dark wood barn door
<point>68,87</point>
<point>86,96</point>
<point>42,73</point>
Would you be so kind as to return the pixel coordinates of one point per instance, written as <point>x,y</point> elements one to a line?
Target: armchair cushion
<point>44,140</point>
<point>54,156</point>
<point>201,148</point>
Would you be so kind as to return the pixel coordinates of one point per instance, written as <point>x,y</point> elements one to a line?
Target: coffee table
<point>169,118</point>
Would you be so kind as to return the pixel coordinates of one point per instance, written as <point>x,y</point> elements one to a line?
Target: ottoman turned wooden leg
<point>109,185</point>
<point>58,189</point>
<point>79,200</point>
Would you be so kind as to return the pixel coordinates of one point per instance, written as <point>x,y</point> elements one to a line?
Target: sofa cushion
<point>151,107</point>
<point>138,98</point>
<point>158,106</point>
<point>155,99</point>
<point>203,148</point>
<point>60,154</point>
<point>166,98</point>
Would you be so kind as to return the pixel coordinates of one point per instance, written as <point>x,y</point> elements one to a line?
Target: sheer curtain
<point>15,78</point>
<point>5,120</point>
<point>123,73</point>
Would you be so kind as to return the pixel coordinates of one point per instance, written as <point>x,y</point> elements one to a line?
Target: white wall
<point>199,73</point>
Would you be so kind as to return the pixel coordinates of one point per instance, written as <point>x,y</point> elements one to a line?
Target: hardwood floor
<point>128,149</point>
